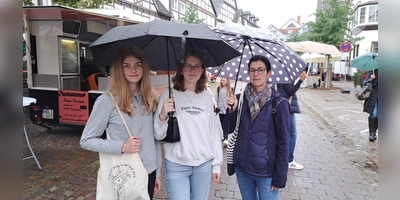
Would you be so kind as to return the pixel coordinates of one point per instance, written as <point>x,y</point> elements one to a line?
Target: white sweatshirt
<point>200,137</point>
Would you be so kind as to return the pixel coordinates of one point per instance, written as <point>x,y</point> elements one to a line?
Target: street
<point>332,144</point>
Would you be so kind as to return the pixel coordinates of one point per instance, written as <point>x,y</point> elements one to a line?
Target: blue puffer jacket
<point>259,149</point>
<point>288,90</point>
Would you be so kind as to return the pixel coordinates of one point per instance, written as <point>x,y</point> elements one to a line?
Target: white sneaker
<point>294,165</point>
<point>225,142</point>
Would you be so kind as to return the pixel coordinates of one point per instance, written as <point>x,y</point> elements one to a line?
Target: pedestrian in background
<point>131,86</point>
<point>91,72</point>
<point>261,150</point>
<point>195,161</point>
<point>224,91</point>
<point>289,92</point>
<point>371,105</point>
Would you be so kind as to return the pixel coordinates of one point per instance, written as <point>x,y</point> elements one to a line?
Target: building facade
<point>365,24</point>
<point>213,12</point>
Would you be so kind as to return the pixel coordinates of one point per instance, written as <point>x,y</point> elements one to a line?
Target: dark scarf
<point>257,100</point>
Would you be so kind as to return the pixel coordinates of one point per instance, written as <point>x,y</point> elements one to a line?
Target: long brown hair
<point>228,87</point>
<point>178,80</point>
<point>120,87</point>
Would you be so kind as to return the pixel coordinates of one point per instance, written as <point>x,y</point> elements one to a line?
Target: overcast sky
<point>278,12</point>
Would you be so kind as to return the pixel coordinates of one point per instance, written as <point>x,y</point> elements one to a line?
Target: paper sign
<point>73,106</point>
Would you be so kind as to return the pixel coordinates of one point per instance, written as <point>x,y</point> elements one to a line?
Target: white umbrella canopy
<point>314,47</point>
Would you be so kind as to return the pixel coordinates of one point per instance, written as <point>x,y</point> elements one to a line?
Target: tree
<point>331,27</point>
<point>75,3</point>
<point>296,37</point>
<point>191,16</point>
<point>27,3</point>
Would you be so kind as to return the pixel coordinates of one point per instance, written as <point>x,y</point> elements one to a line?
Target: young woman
<point>261,152</point>
<point>195,161</point>
<point>224,91</point>
<point>132,89</point>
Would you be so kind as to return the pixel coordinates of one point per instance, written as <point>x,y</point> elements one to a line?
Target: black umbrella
<point>162,42</point>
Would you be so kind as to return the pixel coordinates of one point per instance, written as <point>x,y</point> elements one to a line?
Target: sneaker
<point>225,142</point>
<point>294,165</point>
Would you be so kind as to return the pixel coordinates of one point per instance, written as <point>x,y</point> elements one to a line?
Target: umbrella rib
<point>241,36</point>
<point>288,72</point>
<point>267,51</point>
<point>155,36</point>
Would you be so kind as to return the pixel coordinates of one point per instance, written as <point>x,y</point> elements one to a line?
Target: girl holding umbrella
<point>195,161</point>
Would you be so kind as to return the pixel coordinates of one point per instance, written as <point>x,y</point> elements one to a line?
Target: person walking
<point>260,155</point>
<point>224,91</point>
<point>371,105</point>
<point>131,86</point>
<point>289,92</point>
<point>194,162</point>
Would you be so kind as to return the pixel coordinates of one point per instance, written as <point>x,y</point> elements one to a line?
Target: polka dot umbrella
<point>286,64</point>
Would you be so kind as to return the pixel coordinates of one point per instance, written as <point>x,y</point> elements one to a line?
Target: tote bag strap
<point>119,111</point>
<point>239,110</point>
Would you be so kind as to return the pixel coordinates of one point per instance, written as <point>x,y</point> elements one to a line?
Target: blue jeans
<point>293,136</point>
<point>255,187</point>
<point>374,113</point>
<point>188,182</point>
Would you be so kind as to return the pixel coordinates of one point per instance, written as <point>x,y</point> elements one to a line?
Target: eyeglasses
<point>187,67</point>
<point>259,71</point>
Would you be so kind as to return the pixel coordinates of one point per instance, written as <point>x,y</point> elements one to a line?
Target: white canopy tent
<point>318,48</point>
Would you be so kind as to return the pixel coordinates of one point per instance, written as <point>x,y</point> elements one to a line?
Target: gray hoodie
<point>105,116</point>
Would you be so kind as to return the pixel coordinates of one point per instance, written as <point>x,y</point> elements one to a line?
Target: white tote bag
<point>121,177</point>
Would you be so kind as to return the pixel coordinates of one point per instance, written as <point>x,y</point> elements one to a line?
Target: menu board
<point>73,107</point>
<point>69,56</point>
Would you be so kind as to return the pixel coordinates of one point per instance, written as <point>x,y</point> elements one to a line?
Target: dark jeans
<point>293,136</point>
<point>221,119</point>
<point>151,184</point>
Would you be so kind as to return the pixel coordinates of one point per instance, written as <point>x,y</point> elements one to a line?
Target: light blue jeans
<point>255,187</point>
<point>374,113</point>
<point>188,182</point>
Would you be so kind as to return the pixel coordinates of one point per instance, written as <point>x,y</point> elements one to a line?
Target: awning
<point>314,47</point>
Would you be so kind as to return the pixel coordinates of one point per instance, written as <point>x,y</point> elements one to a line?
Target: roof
<point>286,25</point>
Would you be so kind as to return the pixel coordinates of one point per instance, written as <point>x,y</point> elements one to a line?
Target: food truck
<point>55,37</point>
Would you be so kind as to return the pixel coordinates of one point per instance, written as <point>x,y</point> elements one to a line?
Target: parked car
<point>335,77</point>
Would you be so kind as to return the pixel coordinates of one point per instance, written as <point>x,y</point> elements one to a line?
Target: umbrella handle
<point>231,105</point>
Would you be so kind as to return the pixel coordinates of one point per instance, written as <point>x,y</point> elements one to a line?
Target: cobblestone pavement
<point>339,161</point>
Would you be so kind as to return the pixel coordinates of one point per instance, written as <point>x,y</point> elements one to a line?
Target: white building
<point>365,24</point>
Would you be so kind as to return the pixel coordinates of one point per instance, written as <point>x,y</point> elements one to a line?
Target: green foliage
<point>330,26</point>
<point>81,3</point>
<point>191,16</point>
<point>358,78</point>
<point>27,3</point>
<point>296,37</point>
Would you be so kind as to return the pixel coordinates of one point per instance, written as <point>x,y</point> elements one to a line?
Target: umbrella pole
<point>240,63</point>
<point>169,76</point>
